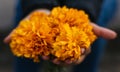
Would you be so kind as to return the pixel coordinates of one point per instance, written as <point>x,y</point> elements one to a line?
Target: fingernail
<point>45,57</point>
<point>83,51</point>
<point>68,61</point>
<point>55,61</point>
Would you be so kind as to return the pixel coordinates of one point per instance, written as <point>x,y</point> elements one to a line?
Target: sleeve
<point>91,7</point>
<point>30,5</point>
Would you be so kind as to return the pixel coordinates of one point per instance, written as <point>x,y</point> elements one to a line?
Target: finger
<point>68,62</point>
<point>56,61</point>
<point>80,60</point>
<point>88,51</point>
<point>83,51</point>
<point>103,32</point>
<point>45,57</point>
<point>7,39</point>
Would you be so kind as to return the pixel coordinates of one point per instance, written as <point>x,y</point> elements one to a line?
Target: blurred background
<point>110,61</point>
<point>6,23</point>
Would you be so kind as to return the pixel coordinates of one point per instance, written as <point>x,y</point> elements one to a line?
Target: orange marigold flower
<point>61,34</point>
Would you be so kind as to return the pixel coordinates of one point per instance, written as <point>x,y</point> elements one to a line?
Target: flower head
<point>61,34</point>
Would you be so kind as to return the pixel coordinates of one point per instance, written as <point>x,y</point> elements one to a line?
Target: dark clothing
<point>91,7</point>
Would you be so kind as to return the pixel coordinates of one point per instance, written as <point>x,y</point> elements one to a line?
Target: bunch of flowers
<point>61,34</point>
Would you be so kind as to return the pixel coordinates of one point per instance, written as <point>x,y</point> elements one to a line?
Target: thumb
<point>8,38</point>
<point>104,32</point>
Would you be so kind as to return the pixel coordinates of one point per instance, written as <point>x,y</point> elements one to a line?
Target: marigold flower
<point>61,34</point>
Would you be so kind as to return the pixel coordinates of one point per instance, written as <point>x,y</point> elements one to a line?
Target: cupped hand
<point>8,38</point>
<point>99,31</point>
<point>103,32</point>
<point>67,62</point>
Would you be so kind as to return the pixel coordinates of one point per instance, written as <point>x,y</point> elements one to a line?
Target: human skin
<point>98,30</point>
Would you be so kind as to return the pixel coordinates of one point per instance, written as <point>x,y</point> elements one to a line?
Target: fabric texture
<point>91,7</point>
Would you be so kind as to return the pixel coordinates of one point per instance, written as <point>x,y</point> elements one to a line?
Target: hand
<point>99,31</point>
<point>8,38</point>
<point>103,32</point>
<point>68,62</point>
